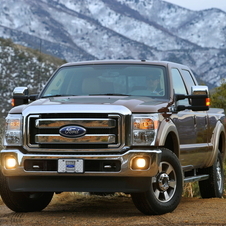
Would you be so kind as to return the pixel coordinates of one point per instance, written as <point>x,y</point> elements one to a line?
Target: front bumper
<point>100,179</point>
<point>118,165</point>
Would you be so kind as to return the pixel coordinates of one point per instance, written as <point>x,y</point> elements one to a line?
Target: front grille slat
<point>88,123</point>
<point>58,139</point>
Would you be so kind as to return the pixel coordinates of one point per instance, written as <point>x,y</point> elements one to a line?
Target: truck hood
<point>132,103</point>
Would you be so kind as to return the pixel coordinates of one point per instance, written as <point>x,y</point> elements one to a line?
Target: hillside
<point>22,66</point>
<point>120,29</point>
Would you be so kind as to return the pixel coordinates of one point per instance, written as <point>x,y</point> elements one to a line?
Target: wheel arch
<point>168,137</point>
<point>218,141</point>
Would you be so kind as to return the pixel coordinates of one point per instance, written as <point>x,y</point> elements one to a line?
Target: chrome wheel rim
<point>219,175</point>
<point>164,184</point>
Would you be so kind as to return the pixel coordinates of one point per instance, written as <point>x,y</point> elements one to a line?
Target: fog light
<point>10,162</point>
<point>140,163</point>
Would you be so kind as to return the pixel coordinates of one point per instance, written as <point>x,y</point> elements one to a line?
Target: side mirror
<point>21,96</point>
<point>199,97</point>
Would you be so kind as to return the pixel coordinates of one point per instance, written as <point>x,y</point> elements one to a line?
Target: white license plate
<point>70,166</point>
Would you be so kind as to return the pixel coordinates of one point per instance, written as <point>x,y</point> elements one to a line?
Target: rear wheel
<point>166,188</point>
<point>23,201</point>
<point>214,186</point>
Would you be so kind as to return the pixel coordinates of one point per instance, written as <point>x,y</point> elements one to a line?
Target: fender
<point>219,129</point>
<point>166,127</point>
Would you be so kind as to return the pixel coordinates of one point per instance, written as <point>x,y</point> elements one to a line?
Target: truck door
<point>191,125</point>
<point>201,123</point>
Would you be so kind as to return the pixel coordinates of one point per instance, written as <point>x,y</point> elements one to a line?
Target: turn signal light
<point>13,102</point>
<point>207,101</point>
<point>145,123</point>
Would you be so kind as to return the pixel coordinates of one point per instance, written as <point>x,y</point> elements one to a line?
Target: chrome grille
<point>102,132</point>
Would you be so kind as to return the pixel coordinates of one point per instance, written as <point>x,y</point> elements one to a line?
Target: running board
<point>196,178</point>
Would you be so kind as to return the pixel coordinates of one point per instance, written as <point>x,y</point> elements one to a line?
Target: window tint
<point>179,86</point>
<point>109,79</point>
<point>188,80</point>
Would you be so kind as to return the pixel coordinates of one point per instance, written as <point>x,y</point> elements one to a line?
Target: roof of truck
<point>163,63</point>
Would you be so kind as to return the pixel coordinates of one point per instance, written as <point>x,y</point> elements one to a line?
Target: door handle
<point>195,121</point>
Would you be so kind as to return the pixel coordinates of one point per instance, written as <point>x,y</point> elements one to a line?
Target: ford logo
<point>72,131</point>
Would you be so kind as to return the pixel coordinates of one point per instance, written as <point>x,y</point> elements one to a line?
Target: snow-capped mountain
<point>77,30</point>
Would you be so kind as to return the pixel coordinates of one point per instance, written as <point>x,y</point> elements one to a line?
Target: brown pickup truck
<point>138,127</point>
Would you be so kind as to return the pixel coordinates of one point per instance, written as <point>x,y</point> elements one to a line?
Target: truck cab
<point>139,127</point>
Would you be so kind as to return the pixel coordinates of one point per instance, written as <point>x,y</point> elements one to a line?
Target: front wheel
<point>23,201</point>
<point>166,188</point>
<point>214,186</point>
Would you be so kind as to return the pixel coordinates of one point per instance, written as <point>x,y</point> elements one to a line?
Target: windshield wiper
<point>109,94</point>
<point>58,95</point>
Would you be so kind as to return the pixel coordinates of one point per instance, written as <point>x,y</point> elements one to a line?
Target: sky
<point>200,4</point>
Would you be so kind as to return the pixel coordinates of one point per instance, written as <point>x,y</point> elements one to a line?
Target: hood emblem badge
<point>72,131</point>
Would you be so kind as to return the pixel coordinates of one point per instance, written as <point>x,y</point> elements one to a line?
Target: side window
<point>179,86</point>
<point>188,80</point>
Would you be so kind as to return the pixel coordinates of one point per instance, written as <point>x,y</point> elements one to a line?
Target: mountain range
<point>77,30</point>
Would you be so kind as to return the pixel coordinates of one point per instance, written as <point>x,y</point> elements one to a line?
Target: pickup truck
<point>139,127</point>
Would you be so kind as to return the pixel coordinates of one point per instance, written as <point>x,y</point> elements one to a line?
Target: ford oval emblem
<point>72,131</point>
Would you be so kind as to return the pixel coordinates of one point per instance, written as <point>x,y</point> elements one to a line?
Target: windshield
<point>108,79</point>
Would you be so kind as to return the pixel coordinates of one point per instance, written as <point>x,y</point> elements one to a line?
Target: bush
<point>218,96</point>
<point>191,190</point>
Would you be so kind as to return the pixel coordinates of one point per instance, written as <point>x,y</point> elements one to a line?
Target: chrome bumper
<point>125,161</point>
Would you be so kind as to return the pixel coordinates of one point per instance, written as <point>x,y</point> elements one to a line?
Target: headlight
<point>144,129</point>
<point>13,130</point>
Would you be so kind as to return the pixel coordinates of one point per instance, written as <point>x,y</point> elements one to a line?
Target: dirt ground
<point>81,209</point>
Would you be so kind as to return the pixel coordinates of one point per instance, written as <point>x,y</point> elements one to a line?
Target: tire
<point>166,188</point>
<point>23,201</point>
<point>214,186</point>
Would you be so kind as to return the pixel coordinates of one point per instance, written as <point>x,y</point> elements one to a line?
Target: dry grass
<point>68,197</point>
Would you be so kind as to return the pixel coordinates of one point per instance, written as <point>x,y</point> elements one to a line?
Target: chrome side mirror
<point>20,96</point>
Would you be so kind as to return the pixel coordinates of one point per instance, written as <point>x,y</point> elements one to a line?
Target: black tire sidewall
<point>209,188</point>
<point>218,190</point>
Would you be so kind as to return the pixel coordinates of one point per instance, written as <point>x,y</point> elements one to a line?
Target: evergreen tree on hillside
<point>218,98</point>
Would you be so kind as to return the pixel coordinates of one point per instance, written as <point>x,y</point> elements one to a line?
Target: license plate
<point>70,166</point>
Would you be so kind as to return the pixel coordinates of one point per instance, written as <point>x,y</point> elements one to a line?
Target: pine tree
<point>218,98</point>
